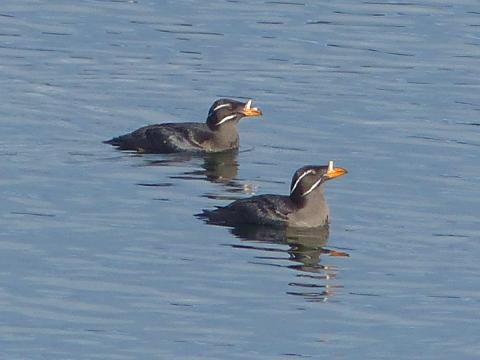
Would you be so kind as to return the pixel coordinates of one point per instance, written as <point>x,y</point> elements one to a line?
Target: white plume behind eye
<point>220,106</point>
<point>226,118</point>
<point>249,104</point>
<point>310,171</point>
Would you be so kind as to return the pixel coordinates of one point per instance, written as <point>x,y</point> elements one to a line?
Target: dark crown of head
<point>223,110</point>
<point>307,179</point>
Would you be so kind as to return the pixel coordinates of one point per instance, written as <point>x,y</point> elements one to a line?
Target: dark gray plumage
<point>219,133</point>
<point>304,207</point>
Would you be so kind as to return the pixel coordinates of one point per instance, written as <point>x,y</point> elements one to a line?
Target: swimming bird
<point>218,133</point>
<point>304,207</point>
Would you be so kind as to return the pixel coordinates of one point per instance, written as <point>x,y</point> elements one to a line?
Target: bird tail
<point>116,141</point>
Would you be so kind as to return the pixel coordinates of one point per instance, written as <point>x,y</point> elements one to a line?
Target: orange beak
<point>248,110</point>
<point>336,172</point>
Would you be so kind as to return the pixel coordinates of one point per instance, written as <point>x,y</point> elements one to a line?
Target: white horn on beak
<point>249,104</point>
<point>330,165</point>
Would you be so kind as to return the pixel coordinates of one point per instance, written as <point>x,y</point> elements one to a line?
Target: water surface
<point>100,254</point>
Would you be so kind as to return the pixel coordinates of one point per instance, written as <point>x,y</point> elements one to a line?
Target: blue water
<point>100,253</point>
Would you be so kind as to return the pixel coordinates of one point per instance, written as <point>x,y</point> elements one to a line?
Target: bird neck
<point>226,135</point>
<point>312,210</point>
<point>313,200</point>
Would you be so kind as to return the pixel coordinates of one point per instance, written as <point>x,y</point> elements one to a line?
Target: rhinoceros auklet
<point>219,133</point>
<point>304,207</point>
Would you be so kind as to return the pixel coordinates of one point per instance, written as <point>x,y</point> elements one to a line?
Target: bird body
<point>177,137</point>
<point>219,133</point>
<point>304,207</point>
<point>272,210</point>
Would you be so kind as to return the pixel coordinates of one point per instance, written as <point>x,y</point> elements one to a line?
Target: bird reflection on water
<point>217,167</point>
<point>221,168</point>
<point>315,281</point>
